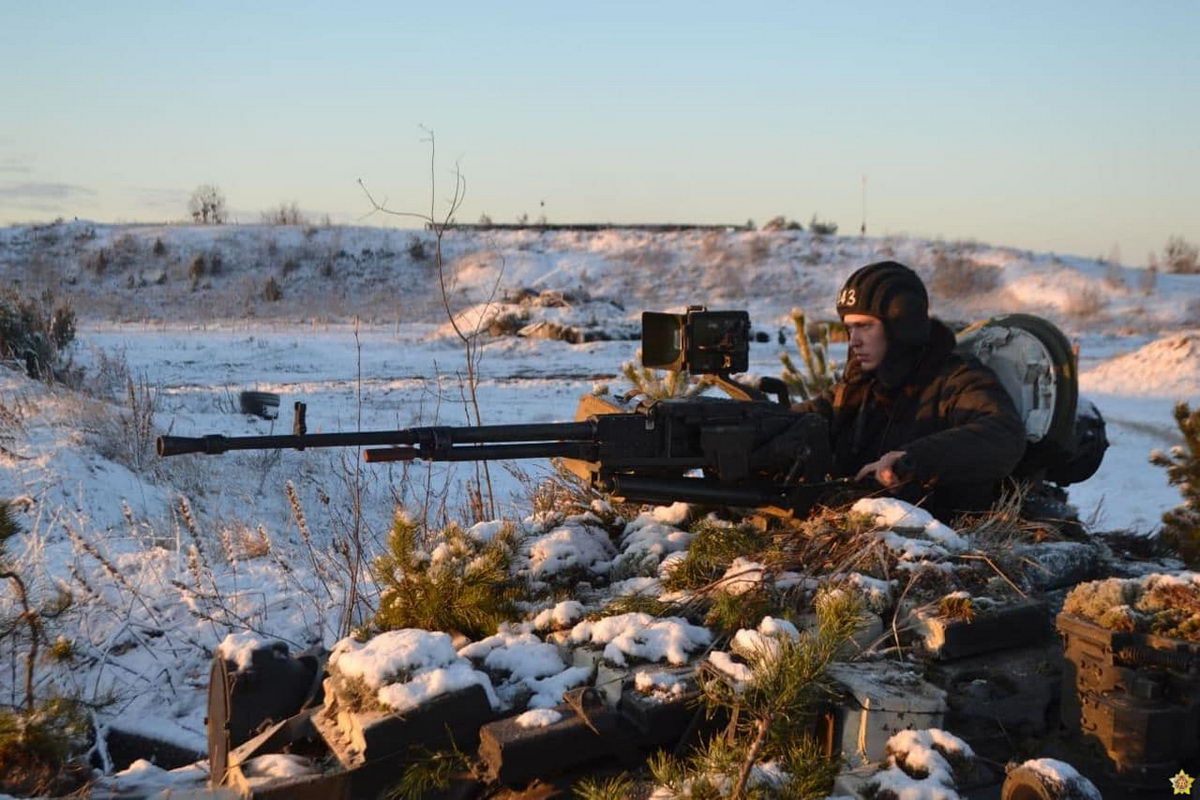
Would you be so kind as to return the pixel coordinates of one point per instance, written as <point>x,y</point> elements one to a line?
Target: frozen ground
<point>165,557</point>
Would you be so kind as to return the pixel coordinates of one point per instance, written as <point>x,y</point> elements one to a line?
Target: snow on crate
<point>538,718</point>
<point>903,517</point>
<point>1060,779</point>
<point>656,683</point>
<point>641,636</point>
<point>271,767</point>
<point>240,647</point>
<point>405,668</point>
<point>525,666</point>
<point>548,692</point>
<point>1160,603</point>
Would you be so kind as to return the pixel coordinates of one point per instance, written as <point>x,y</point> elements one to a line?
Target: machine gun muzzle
<point>539,440</point>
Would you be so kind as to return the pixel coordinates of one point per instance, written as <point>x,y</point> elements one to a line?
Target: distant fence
<point>664,227</point>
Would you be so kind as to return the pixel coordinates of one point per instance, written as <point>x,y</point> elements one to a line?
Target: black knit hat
<point>892,293</point>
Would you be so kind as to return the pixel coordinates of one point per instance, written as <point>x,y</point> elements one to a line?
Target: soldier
<point>928,425</point>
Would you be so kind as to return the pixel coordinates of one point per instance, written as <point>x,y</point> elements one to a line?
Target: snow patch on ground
<point>1167,367</point>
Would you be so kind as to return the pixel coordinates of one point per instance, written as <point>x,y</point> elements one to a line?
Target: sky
<point>1054,126</point>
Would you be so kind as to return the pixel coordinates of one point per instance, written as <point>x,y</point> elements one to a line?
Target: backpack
<point>1038,368</point>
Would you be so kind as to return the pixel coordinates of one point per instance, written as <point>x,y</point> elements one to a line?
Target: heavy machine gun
<point>744,450</point>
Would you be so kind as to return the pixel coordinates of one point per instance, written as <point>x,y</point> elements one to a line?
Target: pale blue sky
<point>1068,127</point>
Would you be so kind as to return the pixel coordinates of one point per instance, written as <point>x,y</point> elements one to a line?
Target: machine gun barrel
<point>536,440</point>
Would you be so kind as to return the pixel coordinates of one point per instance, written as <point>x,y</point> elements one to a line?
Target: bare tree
<point>470,338</point>
<point>207,205</point>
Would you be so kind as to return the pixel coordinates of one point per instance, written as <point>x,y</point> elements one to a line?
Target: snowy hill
<point>166,556</point>
<point>202,274</point>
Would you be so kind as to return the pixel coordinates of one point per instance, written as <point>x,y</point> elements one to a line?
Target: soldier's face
<point>868,340</point>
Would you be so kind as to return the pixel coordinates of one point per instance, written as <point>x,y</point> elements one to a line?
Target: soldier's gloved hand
<point>892,469</point>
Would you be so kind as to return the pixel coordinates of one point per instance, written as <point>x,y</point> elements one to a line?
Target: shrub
<point>1181,256</point>
<point>272,292</point>
<point>159,248</point>
<point>771,716</point>
<point>822,227</point>
<point>97,261</point>
<point>285,214</point>
<point>197,268</point>
<point>216,262</point>
<point>36,748</point>
<point>416,249</point>
<point>1085,303</point>
<point>35,331</point>
<point>37,740</point>
<point>290,265</point>
<point>125,249</point>
<point>819,371</point>
<point>955,275</point>
<point>656,384</point>
<point>782,223</point>
<point>1181,525</point>
<point>463,585</point>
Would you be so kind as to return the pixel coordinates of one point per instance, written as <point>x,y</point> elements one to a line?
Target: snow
<point>1060,775</point>
<point>266,768</point>
<point>739,672</point>
<point>923,752</point>
<point>643,637</point>
<point>538,718</point>
<point>408,667</point>
<point>143,778</point>
<point>647,536</point>
<point>432,683</point>
<point>568,546</point>
<point>239,647</point>
<point>548,692</point>
<point>901,516</point>
<point>877,593</point>
<point>742,576</point>
<point>1168,367</point>
<point>392,653</point>
<point>484,532</point>
<point>560,616</point>
<point>526,660</point>
<point>660,683</point>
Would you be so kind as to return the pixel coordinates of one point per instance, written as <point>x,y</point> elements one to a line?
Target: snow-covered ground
<point>165,557</point>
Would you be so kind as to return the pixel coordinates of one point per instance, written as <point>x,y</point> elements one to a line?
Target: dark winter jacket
<point>950,415</point>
